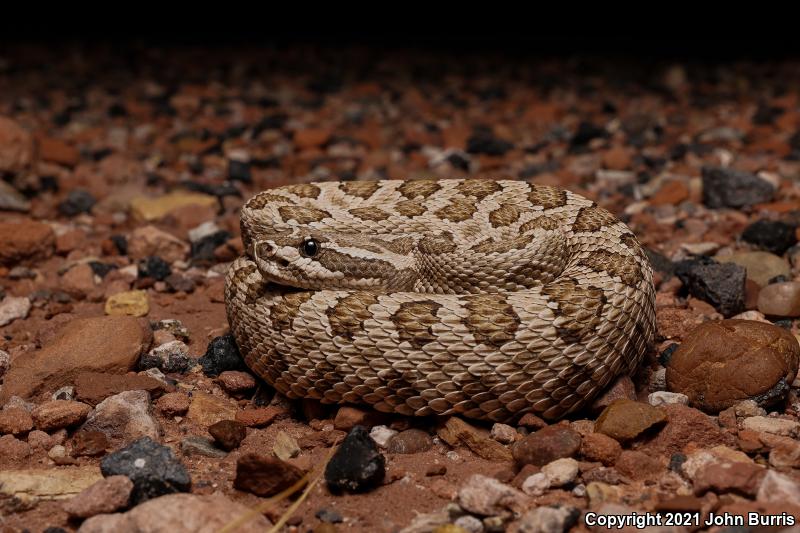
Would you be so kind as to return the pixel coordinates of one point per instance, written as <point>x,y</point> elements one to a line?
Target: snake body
<point>485,298</point>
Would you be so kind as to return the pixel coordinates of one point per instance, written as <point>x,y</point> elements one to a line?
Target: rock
<point>484,142</point>
<point>771,235</point>
<point>330,516</point>
<point>149,241</point>
<point>236,382</point>
<point>13,451</point>
<point>382,435</point>
<point>536,484</point>
<point>722,363</point>
<point>173,327</point>
<point>546,445</point>
<point>124,418</point>
<point>78,281</point>
<point>311,137</point>
<point>153,267</point>
<point>747,408</point>
<point>456,431</point>
<point>201,446</point>
<point>15,421</point>
<point>94,387</point>
<point>599,447</point>
<point>179,513</point>
<point>760,266</point>
<point>170,357</point>
<point>640,466</point>
<point>779,488</point>
<point>504,434</point>
<point>780,299</point>
<point>357,465</point>
<point>726,187</point>
<point>103,344</point>
<point>16,147</point>
<point>487,496</point>
<point>58,414</point>
<point>561,471</point>
<point>622,387</point>
<point>264,476</point>
<point>77,201</point>
<point>5,362</point>
<point>776,426</point>
<point>173,404</point>
<point>469,524</point>
<point>548,520</point>
<point>260,417</point>
<point>660,398</point>
<point>410,441</point>
<point>12,200</point>
<point>151,209</point>
<point>348,417</point>
<point>89,443</point>
<point>684,426</point>
<point>222,354</point>
<point>131,303</point>
<point>105,496</point>
<point>720,284</point>
<point>13,308</point>
<point>229,434</point>
<point>57,151</point>
<point>33,485</point>
<point>729,476</point>
<point>153,469</point>
<point>624,420</point>
<point>25,241</point>
<point>285,446</point>
<point>598,493</point>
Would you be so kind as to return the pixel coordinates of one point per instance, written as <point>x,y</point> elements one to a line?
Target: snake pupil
<point>309,248</point>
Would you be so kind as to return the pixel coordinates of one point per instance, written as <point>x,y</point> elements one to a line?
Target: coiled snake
<point>479,297</point>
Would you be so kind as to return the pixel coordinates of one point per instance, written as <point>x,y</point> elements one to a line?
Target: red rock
<point>94,387</point>
<point>260,417</point>
<point>311,137</point>
<point>546,445</point>
<point>150,241</point>
<point>57,414</point>
<point>57,151</point>
<point>105,344</point>
<point>69,241</point>
<point>16,147</point>
<point>622,387</point>
<point>25,242</point>
<point>89,443</point>
<point>229,434</point>
<point>729,476</point>
<point>410,441</point>
<point>671,192</point>
<point>531,421</point>
<point>640,466</point>
<point>348,417</point>
<point>264,476</point>
<point>236,382</point>
<point>624,420</point>
<point>78,281</point>
<point>686,425</point>
<point>207,409</point>
<point>617,158</point>
<point>105,496</point>
<point>15,421</point>
<point>124,418</point>
<point>13,451</point>
<point>599,447</point>
<point>173,404</point>
<point>456,431</point>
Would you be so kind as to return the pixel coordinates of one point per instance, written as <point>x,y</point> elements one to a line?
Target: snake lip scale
<point>484,298</point>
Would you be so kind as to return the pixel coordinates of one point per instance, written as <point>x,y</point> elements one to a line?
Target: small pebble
<point>357,465</point>
<point>229,434</point>
<point>381,435</point>
<point>504,433</point>
<point>780,299</point>
<point>659,398</point>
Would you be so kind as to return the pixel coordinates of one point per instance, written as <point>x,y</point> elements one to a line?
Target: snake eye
<point>309,248</point>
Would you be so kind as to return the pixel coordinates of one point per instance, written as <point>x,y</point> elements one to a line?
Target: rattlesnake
<point>479,297</point>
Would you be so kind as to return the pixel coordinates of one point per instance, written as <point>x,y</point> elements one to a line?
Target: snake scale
<point>484,298</point>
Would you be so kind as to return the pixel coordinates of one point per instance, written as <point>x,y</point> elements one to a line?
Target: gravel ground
<point>125,405</point>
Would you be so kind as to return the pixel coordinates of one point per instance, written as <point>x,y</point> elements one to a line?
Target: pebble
<point>105,344</point>
<point>504,434</point>
<point>124,418</point>
<point>12,200</point>
<point>410,441</point>
<point>348,417</point>
<point>776,426</point>
<point>107,495</point>
<point>625,420</point>
<point>622,387</point>
<point>330,516</point>
<point>729,476</point>
<point>770,235</point>
<point>78,281</point>
<point>780,299</point>
<point>94,387</point>
<point>89,443</point>
<point>381,435</point>
<point>456,431</point>
<point>486,496</point>
<point>153,469</point>
<point>153,267</point>
<point>236,382</point>
<point>169,357</point>
<point>546,445</point>
<point>685,425</point>
<point>25,241</point>
<point>201,446</point>
<point>229,434</point>
<point>173,404</point>
<point>57,414</point>
<point>57,151</point>
<point>726,187</point>
<point>149,241</point>
<point>779,488</point>
<point>32,485</point>
<point>640,466</point>
<point>285,446</point>
<point>206,409</point>
<point>77,201</point>
<point>264,476</point>
<point>561,471</point>
<point>760,266</point>
<point>720,284</point>
<point>260,417</point>
<point>722,363</point>
<point>151,209</point>
<point>179,513</point>
<point>659,398</point>
<point>469,523</point>
<point>222,354</point>
<point>13,308</point>
<point>173,327</point>
<point>5,363</point>
<point>536,484</point>
<point>357,465</point>
<point>600,447</point>
<point>547,519</point>
<point>748,408</point>
<point>13,451</point>
<point>16,147</point>
<point>131,303</point>
<point>15,421</point>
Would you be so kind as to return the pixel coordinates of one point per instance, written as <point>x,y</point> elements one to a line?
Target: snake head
<point>326,260</point>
